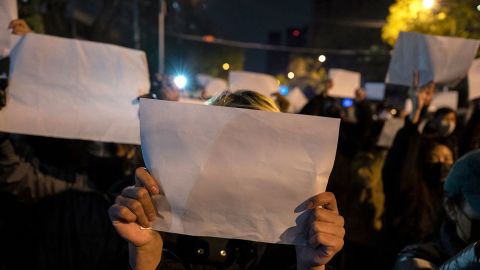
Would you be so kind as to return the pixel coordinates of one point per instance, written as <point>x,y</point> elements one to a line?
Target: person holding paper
<point>413,176</point>
<point>134,210</point>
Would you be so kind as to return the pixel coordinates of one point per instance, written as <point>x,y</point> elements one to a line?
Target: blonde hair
<point>244,99</point>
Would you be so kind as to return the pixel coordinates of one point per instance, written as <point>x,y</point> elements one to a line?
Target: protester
<point>413,176</point>
<point>134,208</point>
<point>457,246</point>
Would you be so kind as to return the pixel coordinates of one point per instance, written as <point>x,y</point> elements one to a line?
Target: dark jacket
<point>413,208</point>
<point>447,252</point>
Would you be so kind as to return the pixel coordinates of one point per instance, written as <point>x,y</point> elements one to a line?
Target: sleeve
<point>398,172</point>
<point>26,182</point>
<point>467,259</point>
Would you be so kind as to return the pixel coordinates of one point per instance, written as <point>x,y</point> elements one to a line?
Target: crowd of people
<point>414,205</point>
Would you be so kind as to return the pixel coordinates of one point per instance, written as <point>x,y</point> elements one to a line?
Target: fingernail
<point>154,190</point>
<point>310,204</point>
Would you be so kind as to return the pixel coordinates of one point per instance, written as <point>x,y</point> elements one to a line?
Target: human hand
<point>360,94</point>
<point>325,233</point>
<point>19,27</point>
<point>131,214</point>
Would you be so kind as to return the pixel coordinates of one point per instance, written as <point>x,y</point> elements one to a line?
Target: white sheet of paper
<point>235,173</point>
<point>297,100</point>
<point>474,80</point>
<point>75,89</point>
<point>445,60</point>
<point>375,90</point>
<point>345,83</point>
<point>213,86</point>
<point>390,129</point>
<point>8,12</point>
<point>444,99</point>
<point>259,82</point>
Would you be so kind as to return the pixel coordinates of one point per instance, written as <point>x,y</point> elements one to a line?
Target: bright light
<point>428,4</point>
<point>347,102</point>
<point>226,66</point>
<point>180,81</point>
<point>322,58</point>
<point>478,7</point>
<point>283,90</point>
<point>291,75</point>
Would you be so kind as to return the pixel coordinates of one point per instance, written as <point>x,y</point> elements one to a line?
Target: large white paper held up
<point>8,12</point>
<point>345,83</point>
<point>75,89</point>
<point>445,60</point>
<point>235,173</point>
<point>259,82</point>
<point>474,80</point>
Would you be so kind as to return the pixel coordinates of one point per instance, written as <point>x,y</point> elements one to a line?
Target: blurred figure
<point>457,245</point>
<point>413,176</point>
<point>323,105</point>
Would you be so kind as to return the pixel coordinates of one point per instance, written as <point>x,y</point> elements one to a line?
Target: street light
<point>291,75</point>
<point>322,58</point>
<point>428,4</point>
<point>180,81</point>
<point>226,66</point>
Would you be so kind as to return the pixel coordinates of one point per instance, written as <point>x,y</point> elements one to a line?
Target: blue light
<point>283,89</point>
<point>347,102</point>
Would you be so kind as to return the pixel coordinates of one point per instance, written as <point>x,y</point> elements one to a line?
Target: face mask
<point>446,128</point>
<point>435,173</point>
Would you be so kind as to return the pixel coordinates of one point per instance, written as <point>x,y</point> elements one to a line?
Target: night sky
<point>251,20</point>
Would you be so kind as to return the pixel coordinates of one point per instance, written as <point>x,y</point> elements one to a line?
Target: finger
<point>325,239</point>
<point>328,216</point>
<point>326,227</point>
<point>136,208</point>
<point>141,194</point>
<point>144,179</point>
<point>12,23</point>
<point>326,200</point>
<point>121,213</point>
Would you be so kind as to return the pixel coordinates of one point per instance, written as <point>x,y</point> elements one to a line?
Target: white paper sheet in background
<point>297,100</point>
<point>8,12</point>
<point>390,129</point>
<point>213,86</point>
<point>259,82</point>
<point>375,90</point>
<point>474,80</point>
<point>445,60</point>
<point>444,99</point>
<point>235,173</point>
<point>345,83</point>
<point>75,89</point>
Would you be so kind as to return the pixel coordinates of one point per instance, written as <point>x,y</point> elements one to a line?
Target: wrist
<point>146,257</point>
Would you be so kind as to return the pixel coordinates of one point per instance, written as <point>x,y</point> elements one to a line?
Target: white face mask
<point>446,128</point>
